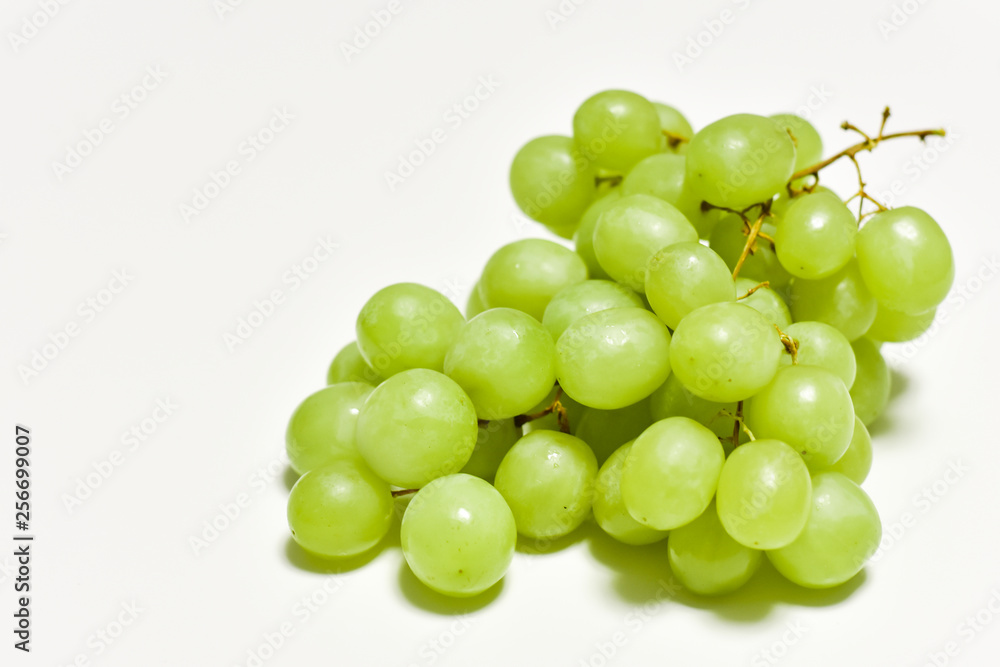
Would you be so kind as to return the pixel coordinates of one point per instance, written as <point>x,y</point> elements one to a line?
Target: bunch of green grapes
<point>700,367</point>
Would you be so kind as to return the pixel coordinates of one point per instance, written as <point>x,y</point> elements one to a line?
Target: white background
<point>162,337</point>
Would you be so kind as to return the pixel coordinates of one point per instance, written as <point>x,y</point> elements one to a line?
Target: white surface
<point>162,337</point>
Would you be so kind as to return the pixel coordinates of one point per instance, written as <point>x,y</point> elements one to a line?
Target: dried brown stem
<point>754,288</point>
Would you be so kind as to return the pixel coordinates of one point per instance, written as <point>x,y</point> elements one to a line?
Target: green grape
<point>583,238</point>
<point>322,428</point>
<point>581,299</point>
<point>458,535</point>
<point>474,304</point>
<point>609,508</point>
<point>842,532</point>
<point>870,391</point>
<point>493,442</point>
<point>765,301</point>
<point>613,358</point>
<point>660,176</point>
<point>504,360</point>
<point>893,326</point>
<point>341,509</point>
<point>822,345</point>
<point>856,462</point>
<point>631,230</point>
<point>725,352</point>
<point>740,160</point>
<point>807,407</point>
<point>841,300</point>
<point>808,143</point>
<point>764,494</point>
<point>706,560</point>
<point>350,366</point>
<point>606,430</point>
<point>416,426</point>
<point>616,128</point>
<point>550,422</point>
<point>526,274</point>
<point>816,236</point>
<point>905,260</point>
<point>686,276</point>
<point>551,182</point>
<point>783,202</point>
<point>673,121</point>
<point>728,239</point>
<point>672,399</point>
<point>547,478</point>
<point>671,473</point>
<point>407,326</point>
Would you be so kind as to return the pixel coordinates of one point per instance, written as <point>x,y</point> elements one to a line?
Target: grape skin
<point>842,532</point>
<point>547,479</point>
<point>339,510</point>
<point>613,358</point>
<point>458,535</point>
<point>416,426</point>
<point>322,428</point>
<point>671,473</point>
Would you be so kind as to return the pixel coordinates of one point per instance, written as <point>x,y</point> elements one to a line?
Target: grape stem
<point>752,230</point>
<point>738,424</point>
<point>674,140</point>
<point>613,179</point>
<point>557,407</point>
<point>791,345</point>
<point>403,492</point>
<point>754,288</point>
<point>868,144</point>
<point>748,247</point>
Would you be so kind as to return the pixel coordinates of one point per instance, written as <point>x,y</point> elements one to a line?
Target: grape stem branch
<point>556,407</point>
<point>738,424</point>
<point>868,144</point>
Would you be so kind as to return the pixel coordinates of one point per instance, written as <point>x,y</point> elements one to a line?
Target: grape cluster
<point>701,368</point>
